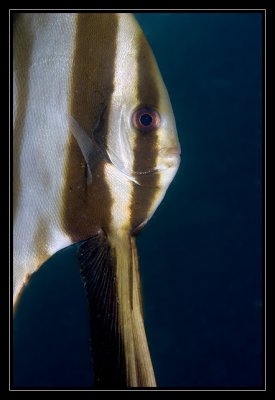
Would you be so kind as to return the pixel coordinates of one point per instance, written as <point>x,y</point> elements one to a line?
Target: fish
<point>95,148</point>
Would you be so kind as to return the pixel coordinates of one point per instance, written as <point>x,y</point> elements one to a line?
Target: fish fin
<point>92,148</point>
<point>145,371</point>
<point>87,146</point>
<point>97,269</point>
<point>139,369</point>
<point>109,270</point>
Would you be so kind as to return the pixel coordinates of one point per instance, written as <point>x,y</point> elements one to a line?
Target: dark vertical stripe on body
<point>146,147</point>
<point>86,208</point>
<point>22,53</point>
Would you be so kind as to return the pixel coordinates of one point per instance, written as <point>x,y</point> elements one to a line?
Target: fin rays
<point>109,269</point>
<point>98,274</point>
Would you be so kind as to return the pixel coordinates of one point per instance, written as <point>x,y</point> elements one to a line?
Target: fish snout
<point>170,156</point>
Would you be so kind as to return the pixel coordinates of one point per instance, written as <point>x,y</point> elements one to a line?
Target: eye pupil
<point>146,119</point>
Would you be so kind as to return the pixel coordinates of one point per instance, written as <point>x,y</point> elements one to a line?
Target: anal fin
<point>97,268</point>
<point>109,270</point>
<point>139,368</point>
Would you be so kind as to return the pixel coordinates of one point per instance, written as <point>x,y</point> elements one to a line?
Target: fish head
<point>157,147</point>
<point>142,135</point>
<point>132,145</point>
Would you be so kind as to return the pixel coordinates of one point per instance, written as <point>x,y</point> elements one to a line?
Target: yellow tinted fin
<point>139,369</point>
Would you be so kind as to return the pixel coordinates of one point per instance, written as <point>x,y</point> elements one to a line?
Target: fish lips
<point>167,158</point>
<point>170,157</point>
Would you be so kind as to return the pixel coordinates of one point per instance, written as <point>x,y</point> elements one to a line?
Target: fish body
<point>95,149</point>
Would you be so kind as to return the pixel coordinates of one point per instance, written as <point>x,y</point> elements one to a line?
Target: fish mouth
<point>167,152</point>
<point>168,158</point>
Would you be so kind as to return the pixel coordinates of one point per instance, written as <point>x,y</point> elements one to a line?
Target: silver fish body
<point>95,149</point>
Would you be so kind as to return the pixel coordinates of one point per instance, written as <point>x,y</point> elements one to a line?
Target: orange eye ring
<point>146,119</point>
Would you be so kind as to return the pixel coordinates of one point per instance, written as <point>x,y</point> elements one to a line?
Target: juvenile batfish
<point>95,149</point>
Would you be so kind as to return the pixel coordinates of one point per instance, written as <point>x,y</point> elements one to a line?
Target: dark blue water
<point>201,254</point>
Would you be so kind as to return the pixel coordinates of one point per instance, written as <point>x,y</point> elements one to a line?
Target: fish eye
<point>146,119</point>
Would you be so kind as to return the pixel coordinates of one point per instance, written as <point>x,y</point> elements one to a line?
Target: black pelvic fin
<point>98,272</point>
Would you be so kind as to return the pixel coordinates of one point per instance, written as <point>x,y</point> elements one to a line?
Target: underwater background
<point>201,253</point>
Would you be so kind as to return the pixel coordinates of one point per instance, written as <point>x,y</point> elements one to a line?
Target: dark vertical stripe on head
<point>86,208</point>
<point>22,53</point>
<point>146,146</point>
